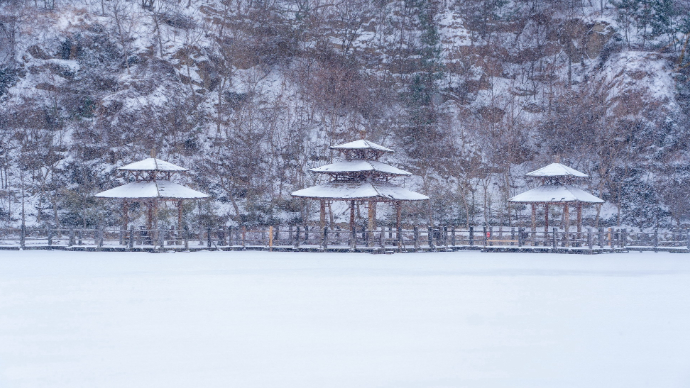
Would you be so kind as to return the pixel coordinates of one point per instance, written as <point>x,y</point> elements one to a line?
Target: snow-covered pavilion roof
<point>156,189</point>
<point>347,166</point>
<point>556,170</point>
<point>382,191</point>
<point>152,164</point>
<point>554,194</point>
<point>361,145</point>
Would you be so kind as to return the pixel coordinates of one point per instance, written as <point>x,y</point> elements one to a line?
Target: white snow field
<point>260,319</point>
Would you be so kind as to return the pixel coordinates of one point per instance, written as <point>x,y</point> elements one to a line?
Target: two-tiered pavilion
<point>152,185</point>
<point>360,177</point>
<point>557,189</point>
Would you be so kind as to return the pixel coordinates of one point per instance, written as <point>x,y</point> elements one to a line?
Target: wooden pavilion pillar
<point>125,214</point>
<point>398,215</point>
<point>179,216</point>
<point>566,221</point>
<point>352,215</point>
<point>149,215</point>
<point>372,221</point>
<point>546,220</point>
<point>534,217</point>
<point>579,219</point>
<point>322,213</point>
<point>372,215</point>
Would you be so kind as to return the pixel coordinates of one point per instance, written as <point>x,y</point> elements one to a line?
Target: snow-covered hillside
<point>250,94</point>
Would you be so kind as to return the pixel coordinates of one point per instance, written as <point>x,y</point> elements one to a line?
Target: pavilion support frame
<point>371,212</point>
<point>566,216</point>
<point>125,214</point>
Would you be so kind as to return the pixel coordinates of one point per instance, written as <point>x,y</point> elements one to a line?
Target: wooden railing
<point>305,237</point>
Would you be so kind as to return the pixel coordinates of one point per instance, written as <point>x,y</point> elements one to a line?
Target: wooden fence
<point>310,238</point>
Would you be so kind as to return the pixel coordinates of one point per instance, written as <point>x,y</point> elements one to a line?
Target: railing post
<point>512,236</point>
<point>186,237</point>
<point>122,235</point>
<point>100,237</point>
<point>430,237</point>
<point>230,236</point>
<point>297,238</point>
<point>22,236</point>
<point>71,237</point>
<point>324,241</point>
<point>589,238</point>
<point>50,237</point>
<point>79,237</point>
<point>554,243</point>
<point>600,237</point>
<point>656,240</point>
<point>130,243</point>
<point>471,236</point>
<point>382,238</point>
<point>353,241</point>
<point>400,237</point>
<point>520,236</point>
<point>416,237</point>
<point>485,236</point>
<point>161,237</point>
<point>270,238</point>
<point>624,238</point>
<point>452,235</point>
<point>611,238</point>
<point>208,237</point>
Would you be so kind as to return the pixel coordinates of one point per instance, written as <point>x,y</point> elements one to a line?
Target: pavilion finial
<point>153,152</point>
<point>557,158</point>
<point>362,134</point>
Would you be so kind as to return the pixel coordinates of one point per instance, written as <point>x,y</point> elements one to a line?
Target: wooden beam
<point>323,214</point>
<point>149,215</point>
<point>125,214</point>
<point>566,221</point>
<point>179,216</point>
<point>534,218</point>
<point>372,215</point>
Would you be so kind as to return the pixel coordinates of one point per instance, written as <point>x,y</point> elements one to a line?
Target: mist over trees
<point>249,94</point>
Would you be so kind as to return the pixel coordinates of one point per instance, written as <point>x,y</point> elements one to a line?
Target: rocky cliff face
<point>250,94</point>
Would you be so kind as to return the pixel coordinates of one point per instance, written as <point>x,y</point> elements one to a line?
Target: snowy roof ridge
<point>361,144</point>
<point>152,164</point>
<point>359,166</point>
<point>556,193</point>
<point>556,169</point>
<point>359,190</point>
<point>154,189</point>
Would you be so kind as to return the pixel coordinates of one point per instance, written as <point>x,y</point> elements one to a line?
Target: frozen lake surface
<point>259,319</point>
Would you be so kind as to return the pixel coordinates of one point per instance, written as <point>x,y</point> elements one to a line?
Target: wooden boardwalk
<point>344,249</point>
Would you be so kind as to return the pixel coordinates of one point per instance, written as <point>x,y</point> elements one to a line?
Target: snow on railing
<point>306,237</point>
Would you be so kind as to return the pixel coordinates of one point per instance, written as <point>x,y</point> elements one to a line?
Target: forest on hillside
<point>249,94</point>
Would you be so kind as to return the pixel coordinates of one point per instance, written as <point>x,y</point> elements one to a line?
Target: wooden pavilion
<point>360,178</point>
<point>152,185</point>
<point>557,189</point>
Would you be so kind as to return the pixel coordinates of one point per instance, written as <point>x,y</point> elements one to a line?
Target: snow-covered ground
<point>259,319</point>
